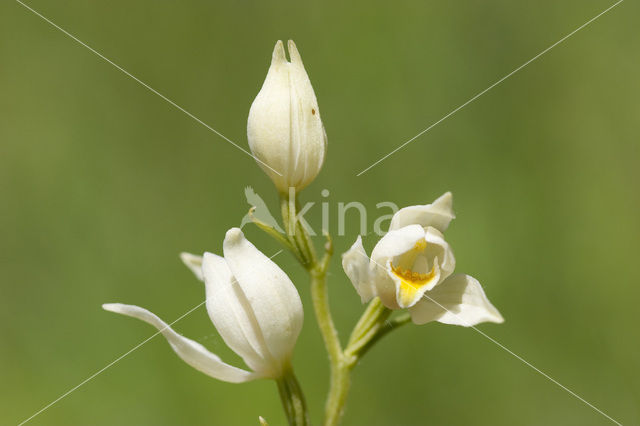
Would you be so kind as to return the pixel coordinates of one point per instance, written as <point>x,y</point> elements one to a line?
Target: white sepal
<point>233,316</point>
<point>437,214</point>
<point>355,263</point>
<point>194,263</point>
<point>458,300</point>
<point>274,300</point>
<point>193,353</point>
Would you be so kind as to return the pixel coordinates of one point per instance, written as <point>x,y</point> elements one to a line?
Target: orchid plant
<point>254,305</point>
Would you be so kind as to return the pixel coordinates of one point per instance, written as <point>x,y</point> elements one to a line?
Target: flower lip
<point>412,275</point>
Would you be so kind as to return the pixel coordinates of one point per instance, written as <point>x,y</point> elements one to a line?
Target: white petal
<point>438,247</point>
<point>355,263</point>
<point>269,291</point>
<point>194,263</point>
<point>232,315</point>
<point>437,214</point>
<point>395,243</point>
<point>193,353</point>
<point>459,300</point>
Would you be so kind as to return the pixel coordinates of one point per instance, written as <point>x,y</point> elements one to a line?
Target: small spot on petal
<point>313,111</point>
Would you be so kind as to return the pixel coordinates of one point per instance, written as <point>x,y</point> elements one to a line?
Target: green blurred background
<point>103,183</point>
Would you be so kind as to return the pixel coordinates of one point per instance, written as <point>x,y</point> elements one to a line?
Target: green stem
<point>371,327</point>
<point>358,348</point>
<point>375,310</point>
<point>292,399</point>
<point>296,234</point>
<point>340,380</point>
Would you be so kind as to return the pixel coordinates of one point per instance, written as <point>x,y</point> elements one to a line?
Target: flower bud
<point>284,129</point>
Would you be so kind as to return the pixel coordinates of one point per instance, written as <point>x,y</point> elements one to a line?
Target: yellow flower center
<point>410,281</point>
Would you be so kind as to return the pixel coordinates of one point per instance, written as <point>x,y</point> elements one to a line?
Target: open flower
<point>412,266</point>
<point>284,129</point>
<point>252,303</point>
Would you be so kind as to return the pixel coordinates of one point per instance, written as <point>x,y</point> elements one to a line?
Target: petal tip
<point>498,319</point>
<point>293,53</point>
<point>278,56</point>
<point>355,246</point>
<point>194,263</point>
<point>189,258</point>
<point>112,307</point>
<point>445,200</point>
<point>234,235</point>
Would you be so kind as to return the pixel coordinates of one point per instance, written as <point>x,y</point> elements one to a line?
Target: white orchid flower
<point>252,303</point>
<point>284,129</point>
<point>412,266</point>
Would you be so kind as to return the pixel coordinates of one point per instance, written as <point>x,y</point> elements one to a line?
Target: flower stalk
<point>293,402</point>
<point>358,348</point>
<point>303,248</point>
<point>372,325</point>
<point>299,240</point>
<point>340,380</point>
